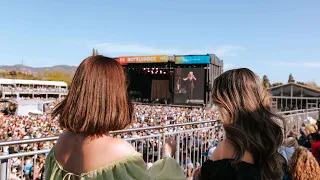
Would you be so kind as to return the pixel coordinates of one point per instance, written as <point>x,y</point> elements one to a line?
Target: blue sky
<point>271,37</point>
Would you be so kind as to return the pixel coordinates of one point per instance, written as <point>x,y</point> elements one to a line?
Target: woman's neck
<point>226,150</point>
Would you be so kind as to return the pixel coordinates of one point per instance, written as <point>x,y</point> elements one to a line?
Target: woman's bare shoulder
<point>122,147</point>
<point>89,154</point>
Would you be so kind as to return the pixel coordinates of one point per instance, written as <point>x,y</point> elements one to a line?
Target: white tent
<point>25,107</point>
<point>35,111</point>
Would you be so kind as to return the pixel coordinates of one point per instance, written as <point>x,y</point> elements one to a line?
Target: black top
<point>223,170</point>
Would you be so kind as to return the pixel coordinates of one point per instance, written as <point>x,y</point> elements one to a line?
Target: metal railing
<point>190,143</point>
<point>54,138</point>
<point>295,119</point>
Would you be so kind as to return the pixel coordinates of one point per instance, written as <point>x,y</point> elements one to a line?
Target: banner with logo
<point>192,59</point>
<point>143,59</point>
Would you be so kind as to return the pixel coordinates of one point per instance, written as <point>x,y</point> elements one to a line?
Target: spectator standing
<point>315,145</point>
<point>252,136</point>
<point>97,103</point>
<point>303,166</point>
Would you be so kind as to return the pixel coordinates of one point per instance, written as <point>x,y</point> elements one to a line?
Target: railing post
<point>306,112</point>
<point>34,166</point>
<point>177,156</point>
<point>163,142</point>
<point>3,172</point>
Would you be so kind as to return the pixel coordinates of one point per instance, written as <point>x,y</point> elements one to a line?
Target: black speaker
<point>171,83</point>
<point>208,87</point>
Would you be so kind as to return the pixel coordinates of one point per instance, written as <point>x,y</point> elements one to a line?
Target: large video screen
<point>189,86</point>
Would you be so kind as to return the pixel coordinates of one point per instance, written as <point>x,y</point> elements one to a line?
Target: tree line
<point>46,76</point>
<point>266,82</point>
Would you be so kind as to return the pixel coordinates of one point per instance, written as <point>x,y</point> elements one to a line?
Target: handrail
<point>53,138</point>
<point>23,154</point>
<point>299,110</point>
<point>15,155</point>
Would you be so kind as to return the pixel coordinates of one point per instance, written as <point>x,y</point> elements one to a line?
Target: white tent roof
<point>35,111</point>
<point>34,106</point>
<point>32,82</point>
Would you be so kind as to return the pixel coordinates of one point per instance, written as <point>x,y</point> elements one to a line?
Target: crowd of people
<point>192,144</point>
<point>301,151</point>
<point>193,149</point>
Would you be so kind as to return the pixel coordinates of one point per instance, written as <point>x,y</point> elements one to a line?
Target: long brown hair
<point>303,165</point>
<point>97,101</point>
<point>248,120</point>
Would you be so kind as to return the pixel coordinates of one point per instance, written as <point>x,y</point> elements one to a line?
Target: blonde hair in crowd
<point>303,166</point>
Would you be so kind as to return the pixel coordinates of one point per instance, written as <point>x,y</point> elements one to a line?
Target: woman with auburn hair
<point>252,137</point>
<point>96,104</point>
<point>303,166</point>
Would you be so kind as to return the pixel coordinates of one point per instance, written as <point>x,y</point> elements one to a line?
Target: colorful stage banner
<point>143,59</point>
<point>192,59</point>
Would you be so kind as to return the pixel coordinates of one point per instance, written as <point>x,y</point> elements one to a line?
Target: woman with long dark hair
<point>252,135</point>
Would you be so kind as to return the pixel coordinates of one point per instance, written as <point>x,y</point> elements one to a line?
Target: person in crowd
<point>311,128</point>
<point>315,145</point>
<point>288,147</point>
<point>252,132</point>
<point>98,103</point>
<point>303,139</point>
<point>197,174</point>
<point>294,132</point>
<point>318,125</point>
<point>190,81</point>
<point>303,166</point>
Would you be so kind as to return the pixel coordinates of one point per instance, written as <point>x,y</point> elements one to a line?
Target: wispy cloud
<point>110,48</point>
<point>228,50</point>
<point>228,66</point>
<point>292,64</point>
<point>132,48</point>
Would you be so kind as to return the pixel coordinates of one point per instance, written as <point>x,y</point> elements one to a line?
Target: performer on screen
<point>190,84</point>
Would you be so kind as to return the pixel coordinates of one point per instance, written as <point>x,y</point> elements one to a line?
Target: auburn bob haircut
<point>97,101</point>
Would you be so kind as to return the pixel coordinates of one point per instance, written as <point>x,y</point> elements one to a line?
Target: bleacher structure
<point>30,89</point>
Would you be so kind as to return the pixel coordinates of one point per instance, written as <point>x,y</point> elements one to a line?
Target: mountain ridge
<point>38,70</point>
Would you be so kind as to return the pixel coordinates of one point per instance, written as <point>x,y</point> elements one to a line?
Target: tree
<point>13,73</point>
<point>93,52</point>
<point>312,84</point>
<point>291,79</point>
<point>57,76</point>
<point>18,75</point>
<point>301,83</point>
<point>266,81</point>
<point>277,84</point>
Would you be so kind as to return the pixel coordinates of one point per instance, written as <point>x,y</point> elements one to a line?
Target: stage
<point>176,80</point>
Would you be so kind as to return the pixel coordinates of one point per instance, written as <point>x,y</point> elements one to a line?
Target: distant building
<point>32,89</point>
<point>294,96</point>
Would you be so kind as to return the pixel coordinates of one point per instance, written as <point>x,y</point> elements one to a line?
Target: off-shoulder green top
<point>131,167</point>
